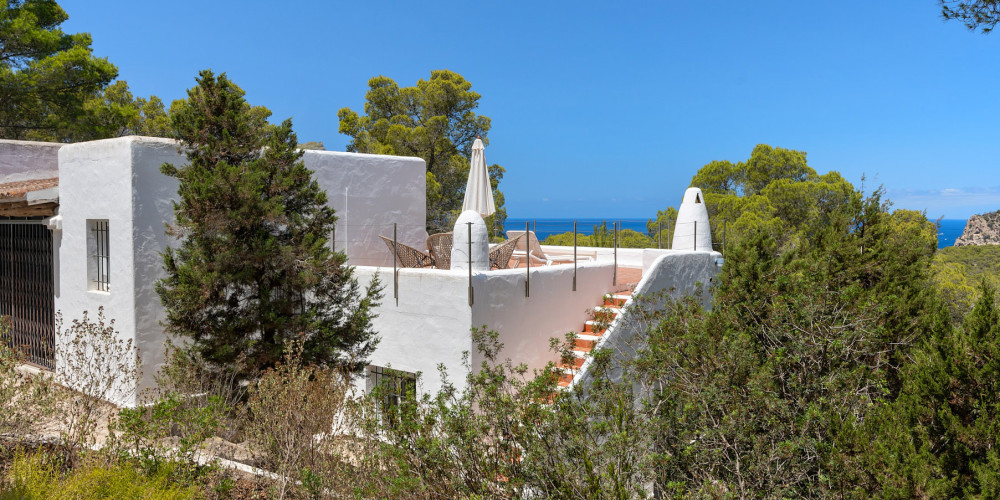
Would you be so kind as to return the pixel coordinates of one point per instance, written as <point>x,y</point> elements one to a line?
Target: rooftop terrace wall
<point>432,322</point>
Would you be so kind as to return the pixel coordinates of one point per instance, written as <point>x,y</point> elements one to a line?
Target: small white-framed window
<point>98,256</point>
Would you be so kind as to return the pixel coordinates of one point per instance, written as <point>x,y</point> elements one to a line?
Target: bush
<point>290,417</point>
<point>100,367</point>
<point>44,476</point>
<point>187,408</point>
<point>25,400</point>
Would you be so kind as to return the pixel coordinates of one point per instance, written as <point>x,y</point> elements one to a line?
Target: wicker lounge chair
<point>501,253</point>
<point>439,246</point>
<point>407,256</point>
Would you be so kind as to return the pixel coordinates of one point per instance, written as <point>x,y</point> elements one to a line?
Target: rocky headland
<point>981,230</point>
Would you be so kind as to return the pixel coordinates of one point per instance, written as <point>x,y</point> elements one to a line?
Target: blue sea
<point>948,232</point>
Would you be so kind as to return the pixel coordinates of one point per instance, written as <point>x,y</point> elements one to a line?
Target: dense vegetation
<point>435,120</point>
<point>959,270</point>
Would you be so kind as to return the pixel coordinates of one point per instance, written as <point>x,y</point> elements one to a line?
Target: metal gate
<point>26,287</point>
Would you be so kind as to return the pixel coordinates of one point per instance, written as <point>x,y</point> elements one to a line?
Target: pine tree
<point>254,269</point>
<point>940,438</point>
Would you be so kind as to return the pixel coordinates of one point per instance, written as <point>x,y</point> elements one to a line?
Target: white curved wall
<point>526,324</point>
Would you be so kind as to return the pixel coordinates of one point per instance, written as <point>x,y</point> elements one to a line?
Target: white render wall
<point>97,181</point>
<point>120,180</point>
<point>677,274</point>
<point>369,194</point>
<point>429,326</point>
<point>28,160</point>
<point>433,321</point>
<point>553,309</point>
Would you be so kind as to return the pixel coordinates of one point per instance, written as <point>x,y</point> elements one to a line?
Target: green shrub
<point>41,475</point>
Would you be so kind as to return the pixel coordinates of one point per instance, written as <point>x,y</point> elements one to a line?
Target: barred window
<point>391,387</point>
<point>99,261</point>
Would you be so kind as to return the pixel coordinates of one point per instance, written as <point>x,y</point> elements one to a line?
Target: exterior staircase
<point>601,317</point>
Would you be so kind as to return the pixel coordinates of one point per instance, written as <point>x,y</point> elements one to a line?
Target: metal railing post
<point>695,236</point>
<point>614,278</point>
<point>527,261</point>
<point>472,292</point>
<point>574,255</point>
<point>724,230</point>
<point>659,234</point>
<point>670,242</point>
<point>333,238</point>
<point>395,271</point>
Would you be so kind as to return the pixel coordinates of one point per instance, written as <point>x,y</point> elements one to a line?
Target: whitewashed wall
<point>152,209</point>
<point>429,326</point>
<point>120,180</point>
<point>370,193</point>
<point>96,179</point>
<point>433,321</point>
<point>27,160</point>
<point>526,324</point>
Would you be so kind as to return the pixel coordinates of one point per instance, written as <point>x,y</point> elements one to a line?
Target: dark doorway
<point>26,287</point>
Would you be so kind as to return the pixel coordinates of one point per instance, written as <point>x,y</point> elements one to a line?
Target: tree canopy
<point>980,15</point>
<point>435,120</point>
<point>115,112</point>
<point>255,270</point>
<point>46,75</point>
<point>774,191</point>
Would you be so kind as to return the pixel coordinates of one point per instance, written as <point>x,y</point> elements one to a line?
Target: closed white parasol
<point>478,193</point>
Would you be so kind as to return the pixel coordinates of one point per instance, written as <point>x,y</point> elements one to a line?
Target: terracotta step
<point>575,364</point>
<point>606,313</point>
<point>616,300</point>
<point>583,345</point>
<point>594,327</point>
<point>565,379</point>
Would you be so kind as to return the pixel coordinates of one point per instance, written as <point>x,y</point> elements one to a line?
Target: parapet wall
<point>28,160</point>
<point>432,322</point>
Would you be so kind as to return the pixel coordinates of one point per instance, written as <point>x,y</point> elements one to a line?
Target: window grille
<point>26,293</point>
<point>391,386</point>
<point>100,259</point>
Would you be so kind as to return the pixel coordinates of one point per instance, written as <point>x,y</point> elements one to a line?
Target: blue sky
<point>606,109</point>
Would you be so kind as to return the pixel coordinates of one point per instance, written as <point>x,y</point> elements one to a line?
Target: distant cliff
<point>981,230</point>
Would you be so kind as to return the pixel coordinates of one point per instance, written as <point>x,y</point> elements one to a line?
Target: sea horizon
<point>948,230</point>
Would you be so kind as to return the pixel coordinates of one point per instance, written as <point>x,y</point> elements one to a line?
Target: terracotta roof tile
<point>21,188</point>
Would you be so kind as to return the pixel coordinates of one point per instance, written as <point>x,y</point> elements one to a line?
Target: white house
<point>82,227</point>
